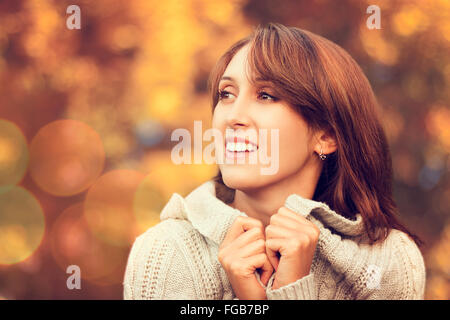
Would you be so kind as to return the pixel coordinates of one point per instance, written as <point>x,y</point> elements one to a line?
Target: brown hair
<point>323,83</point>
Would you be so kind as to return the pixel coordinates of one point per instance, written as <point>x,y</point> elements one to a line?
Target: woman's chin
<point>239,185</point>
<point>242,181</point>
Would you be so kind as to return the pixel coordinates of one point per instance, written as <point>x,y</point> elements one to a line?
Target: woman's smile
<point>238,148</point>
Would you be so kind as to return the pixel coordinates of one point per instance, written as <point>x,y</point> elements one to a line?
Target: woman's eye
<point>223,94</point>
<point>266,96</point>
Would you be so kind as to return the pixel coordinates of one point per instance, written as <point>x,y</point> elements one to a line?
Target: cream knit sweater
<point>177,258</point>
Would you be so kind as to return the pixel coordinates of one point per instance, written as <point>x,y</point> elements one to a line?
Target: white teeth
<point>240,147</point>
<point>230,146</point>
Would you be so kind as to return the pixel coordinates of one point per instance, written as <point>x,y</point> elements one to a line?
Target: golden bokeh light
<point>171,177</point>
<point>125,37</point>
<point>148,203</point>
<point>108,207</point>
<point>378,47</point>
<point>164,103</point>
<point>13,155</point>
<point>445,29</point>
<point>22,225</point>
<point>437,124</point>
<point>66,156</point>
<point>72,243</point>
<point>409,20</point>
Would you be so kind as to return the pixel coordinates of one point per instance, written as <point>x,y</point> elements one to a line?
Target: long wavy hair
<point>323,83</point>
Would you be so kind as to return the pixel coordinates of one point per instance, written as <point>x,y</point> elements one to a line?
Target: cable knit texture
<point>177,258</point>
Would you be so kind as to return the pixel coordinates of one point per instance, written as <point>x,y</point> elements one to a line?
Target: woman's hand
<point>241,253</point>
<point>295,238</point>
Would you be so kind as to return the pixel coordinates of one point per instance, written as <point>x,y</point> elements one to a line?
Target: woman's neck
<point>263,202</point>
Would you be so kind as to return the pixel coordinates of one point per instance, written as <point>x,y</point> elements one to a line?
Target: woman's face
<point>249,110</point>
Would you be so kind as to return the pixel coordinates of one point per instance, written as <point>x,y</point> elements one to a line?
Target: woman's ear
<point>326,142</point>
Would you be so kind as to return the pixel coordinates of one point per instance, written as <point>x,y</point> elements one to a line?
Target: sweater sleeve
<point>302,289</point>
<point>157,269</point>
<point>404,276</point>
<point>392,270</point>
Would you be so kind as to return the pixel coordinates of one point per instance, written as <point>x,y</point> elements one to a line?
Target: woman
<point>323,225</point>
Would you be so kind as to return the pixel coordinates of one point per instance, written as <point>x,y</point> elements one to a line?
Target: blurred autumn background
<point>86,117</point>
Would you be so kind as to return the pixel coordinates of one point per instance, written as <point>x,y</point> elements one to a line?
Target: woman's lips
<point>238,148</point>
<point>236,144</point>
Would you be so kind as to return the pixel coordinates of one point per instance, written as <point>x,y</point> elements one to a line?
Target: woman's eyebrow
<point>228,78</point>
<point>263,80</point>
<point>257,81</point>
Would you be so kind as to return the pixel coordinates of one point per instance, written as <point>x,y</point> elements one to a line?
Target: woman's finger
<point>275,231</point>
<point>272,247</point>
<point>285,222</point>
<point>244,239</point>
<point>266,270</point>
<point>252,248</point>
<point>272,256</point>
<point>283,211</point>
<point>259,261</point>
<point>239,226</point>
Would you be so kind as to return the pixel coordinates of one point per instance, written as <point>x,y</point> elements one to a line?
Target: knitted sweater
<point>177,258</point>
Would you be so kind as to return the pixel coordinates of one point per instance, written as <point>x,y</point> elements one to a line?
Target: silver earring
<point>321,155</point>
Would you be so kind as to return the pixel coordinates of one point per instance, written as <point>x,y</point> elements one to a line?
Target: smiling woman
<point>323,226</point>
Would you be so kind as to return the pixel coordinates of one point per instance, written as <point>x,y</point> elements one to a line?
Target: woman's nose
<point>238,115</point>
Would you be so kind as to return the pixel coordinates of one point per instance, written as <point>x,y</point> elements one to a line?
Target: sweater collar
<point>212,217</point>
